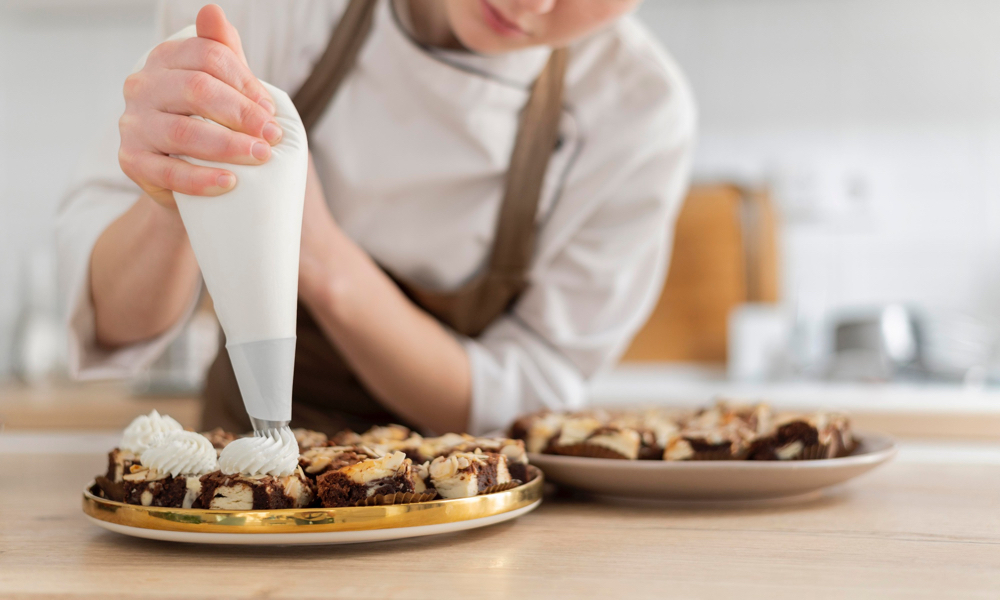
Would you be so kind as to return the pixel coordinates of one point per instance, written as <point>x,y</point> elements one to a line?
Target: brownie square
<point>119,464</point>
<point>356,483</point>
<point>146,487</point>
<point>466,474</point>
<point>241,492</point>
<point>316,461</point>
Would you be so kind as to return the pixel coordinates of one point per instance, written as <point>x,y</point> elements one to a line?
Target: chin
<point>470,28</point>
<point>484,45</point>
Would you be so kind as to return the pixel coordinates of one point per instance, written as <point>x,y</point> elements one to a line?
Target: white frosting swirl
<point>181,453</point>
<point>146,430</point>
<point>274,453</point>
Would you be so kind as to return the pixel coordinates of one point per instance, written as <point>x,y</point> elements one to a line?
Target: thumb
<point>212,25</point>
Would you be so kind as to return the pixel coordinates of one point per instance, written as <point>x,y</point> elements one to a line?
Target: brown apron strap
<point>471,308</point>
<point>336,62</point>
<point>536,140</point>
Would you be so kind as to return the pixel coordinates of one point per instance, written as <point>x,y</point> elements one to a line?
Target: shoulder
<point>636,120</point>
<point>622,79</point>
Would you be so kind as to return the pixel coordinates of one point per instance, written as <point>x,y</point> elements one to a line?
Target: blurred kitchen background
<point>841,246</point>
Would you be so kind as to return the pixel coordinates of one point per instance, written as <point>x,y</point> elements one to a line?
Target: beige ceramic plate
<point>713,480</point>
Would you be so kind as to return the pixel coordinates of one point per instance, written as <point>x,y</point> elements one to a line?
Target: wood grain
<point>928,425</point>
<point>905,531</point>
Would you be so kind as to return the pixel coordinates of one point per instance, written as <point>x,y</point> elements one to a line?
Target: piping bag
<point>246,242</point>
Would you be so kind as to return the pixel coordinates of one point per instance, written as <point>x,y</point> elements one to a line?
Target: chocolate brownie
<point>805,437</point>
<point>316,461</point>
<point>119,463</point>
<point>307,438</point>
<point>360,481</point>
<point>465,474</point>
<point>219,437</point>
<point>147,487</point>
<point>241,492</point>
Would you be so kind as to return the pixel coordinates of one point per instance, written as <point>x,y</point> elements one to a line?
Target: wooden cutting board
<point>724,254</point>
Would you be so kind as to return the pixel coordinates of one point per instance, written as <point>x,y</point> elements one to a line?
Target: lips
<point>498,22</point>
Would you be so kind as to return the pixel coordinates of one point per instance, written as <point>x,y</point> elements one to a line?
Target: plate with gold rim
<point>297,526</point>
<point>714,480</point>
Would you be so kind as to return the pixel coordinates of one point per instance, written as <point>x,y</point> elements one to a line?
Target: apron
<point>326,395</point>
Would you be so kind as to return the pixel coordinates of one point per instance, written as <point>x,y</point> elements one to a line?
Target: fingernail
<point>268,106</point>
<point>260,151</point>
<point>272,133</point>
<point>226,181</point>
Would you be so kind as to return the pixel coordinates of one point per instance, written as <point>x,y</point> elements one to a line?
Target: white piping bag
<point>246,242</point>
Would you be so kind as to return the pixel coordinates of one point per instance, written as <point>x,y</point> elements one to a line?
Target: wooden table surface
<point>96,405</point>
<point>917,528</point>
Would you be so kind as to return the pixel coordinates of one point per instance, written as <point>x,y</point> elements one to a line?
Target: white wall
<point>62,64</point>
<point>883,116</point>
<point>879,121</point>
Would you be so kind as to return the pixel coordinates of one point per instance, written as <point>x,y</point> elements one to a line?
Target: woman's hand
<point>206,76</point>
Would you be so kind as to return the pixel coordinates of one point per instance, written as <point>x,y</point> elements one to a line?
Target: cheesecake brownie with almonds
<point>316,461</point>
<point>384,464</point>
<point>804,437</point>
<point>466,474</point>
<point>724,431</point>
<point>149,487</point>
<point>243,492</point>
<point>366,479</point>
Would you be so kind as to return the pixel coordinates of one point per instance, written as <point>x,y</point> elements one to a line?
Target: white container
<point>759,341</point>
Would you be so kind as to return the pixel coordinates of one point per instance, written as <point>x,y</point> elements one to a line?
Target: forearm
<point>403,355</point>
<point>143,274</point>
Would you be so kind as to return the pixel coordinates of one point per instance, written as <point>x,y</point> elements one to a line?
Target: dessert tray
<point>714,479</point>
<point>723,452</point>
<point>299,486</point>
<point>342,525</point>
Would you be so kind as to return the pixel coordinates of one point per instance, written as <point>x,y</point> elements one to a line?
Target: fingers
<point>198,93</point>
<point>216,59</point>
<point>205,76</point>
<point>155,173</point>
<point>181,135</point>
<point>213,25</point>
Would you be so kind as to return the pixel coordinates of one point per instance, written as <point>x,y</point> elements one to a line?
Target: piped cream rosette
<point>181,453</point>
<point>274,453</point>
<point>147,430</point>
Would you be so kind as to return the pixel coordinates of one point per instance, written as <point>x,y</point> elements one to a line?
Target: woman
<point>486,216</point>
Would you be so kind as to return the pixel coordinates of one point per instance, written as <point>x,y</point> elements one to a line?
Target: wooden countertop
<point>925,526</point>
<point>98,405</point>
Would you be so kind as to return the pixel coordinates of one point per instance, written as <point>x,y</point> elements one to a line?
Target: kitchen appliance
<point>876,345</point>
<point>897,341</point>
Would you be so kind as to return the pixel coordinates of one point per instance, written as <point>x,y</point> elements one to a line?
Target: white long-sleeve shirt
<point>412,154</point>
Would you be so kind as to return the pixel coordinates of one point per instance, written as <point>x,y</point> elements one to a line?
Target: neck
<point>428,23</point>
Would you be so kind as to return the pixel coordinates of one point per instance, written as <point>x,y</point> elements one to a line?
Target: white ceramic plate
<point>713,480</point>
<point>327,537</point>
